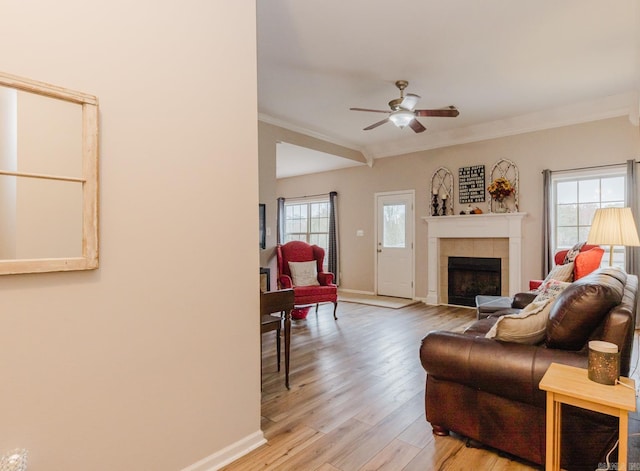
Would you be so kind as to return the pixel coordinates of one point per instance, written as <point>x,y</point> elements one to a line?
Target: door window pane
<point>394,226</point>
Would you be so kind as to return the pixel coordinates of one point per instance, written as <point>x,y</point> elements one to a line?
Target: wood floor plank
<point>327,467</point>
<point>327,448</point>
<point>376,438</point>
<point>438,455</point>
<point>417,434</point>
<point>392,457</point>
<point>279,449</point>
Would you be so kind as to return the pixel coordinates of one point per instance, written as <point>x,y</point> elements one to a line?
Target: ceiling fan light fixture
<point>401,118</point>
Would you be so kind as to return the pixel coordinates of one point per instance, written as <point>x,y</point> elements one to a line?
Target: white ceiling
<point>508,66</point>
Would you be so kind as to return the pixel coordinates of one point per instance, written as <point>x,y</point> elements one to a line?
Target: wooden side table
<point>570,385</point>
<point>280,301</point>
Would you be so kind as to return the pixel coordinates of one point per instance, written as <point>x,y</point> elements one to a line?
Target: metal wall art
<point>504,188</point>
<point>442,192</point>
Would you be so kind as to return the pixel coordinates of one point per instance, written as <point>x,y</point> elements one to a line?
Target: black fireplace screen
<point>470,276</point>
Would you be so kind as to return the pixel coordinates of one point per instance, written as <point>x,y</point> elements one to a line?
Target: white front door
<point>394,244</point>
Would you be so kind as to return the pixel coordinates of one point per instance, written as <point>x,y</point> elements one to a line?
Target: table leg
<point>287,345</point>
<point>624,440</point>
<point>554,427</point>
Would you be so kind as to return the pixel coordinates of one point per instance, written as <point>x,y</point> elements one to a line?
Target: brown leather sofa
<point>487,390</point>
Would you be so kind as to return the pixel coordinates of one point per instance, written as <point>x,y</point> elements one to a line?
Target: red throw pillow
<point>587,262</point>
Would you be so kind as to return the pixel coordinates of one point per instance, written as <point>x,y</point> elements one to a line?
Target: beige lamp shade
<point>613,226</point>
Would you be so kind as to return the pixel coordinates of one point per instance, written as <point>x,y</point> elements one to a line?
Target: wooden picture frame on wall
<point>86,181</point>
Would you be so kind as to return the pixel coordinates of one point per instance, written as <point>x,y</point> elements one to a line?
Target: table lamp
<point>613,226</point>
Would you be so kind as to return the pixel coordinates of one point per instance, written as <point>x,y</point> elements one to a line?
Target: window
<point>394,226</point>
<point>308,221</point>
<point>575,198</point>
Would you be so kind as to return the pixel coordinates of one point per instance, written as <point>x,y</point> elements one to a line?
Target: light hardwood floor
<point>357,396</point>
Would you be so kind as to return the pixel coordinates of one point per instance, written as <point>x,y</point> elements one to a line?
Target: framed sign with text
<point>471,184</point>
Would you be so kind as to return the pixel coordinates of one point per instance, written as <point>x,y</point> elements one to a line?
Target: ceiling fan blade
<point>417,126</point>
<point>448,112</point>
<point>367,109</point>
<point>410,101</point>
<point>375,125</point>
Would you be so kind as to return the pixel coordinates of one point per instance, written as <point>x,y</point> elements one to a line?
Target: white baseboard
<point>228,454</point>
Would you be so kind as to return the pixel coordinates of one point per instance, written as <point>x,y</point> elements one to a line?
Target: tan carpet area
<point>371,300</point>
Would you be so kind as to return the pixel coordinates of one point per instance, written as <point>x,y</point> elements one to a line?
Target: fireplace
<point>470,276</point>
<point>474,236</point>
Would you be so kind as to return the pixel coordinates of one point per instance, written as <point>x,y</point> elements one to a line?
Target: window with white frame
<point>575,197</point>
<point>308,220</point>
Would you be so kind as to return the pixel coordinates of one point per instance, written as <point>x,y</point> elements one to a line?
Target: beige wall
<point>152,361</point>
<point>608,141</point>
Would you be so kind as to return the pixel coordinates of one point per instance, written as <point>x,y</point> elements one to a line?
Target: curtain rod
<point>591,167</point>
<point>309,196</point>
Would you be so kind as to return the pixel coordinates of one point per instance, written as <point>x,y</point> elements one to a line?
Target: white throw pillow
<point>561,273</point>
<point>304,273</point>
<point>550,289</point>
<point>529,326</point>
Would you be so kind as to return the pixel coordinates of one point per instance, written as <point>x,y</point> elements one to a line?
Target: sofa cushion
<point>529,326</point>
<point>581,307</point>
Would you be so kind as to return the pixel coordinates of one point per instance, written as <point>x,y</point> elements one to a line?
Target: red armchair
<point>585,262</point>
<point>324,292</point>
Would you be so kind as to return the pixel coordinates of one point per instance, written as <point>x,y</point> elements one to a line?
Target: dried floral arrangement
<point>500,188</point>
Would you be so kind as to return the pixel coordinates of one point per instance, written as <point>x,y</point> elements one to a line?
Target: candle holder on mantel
<point>444,205</point>
<point>434,204</point>
<point>441,190</point>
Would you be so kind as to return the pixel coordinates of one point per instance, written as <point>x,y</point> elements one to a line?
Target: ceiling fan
<point>403,113</point>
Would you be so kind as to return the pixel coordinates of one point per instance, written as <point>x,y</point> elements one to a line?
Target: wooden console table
<point>570,385</point>
<point>280,301</point>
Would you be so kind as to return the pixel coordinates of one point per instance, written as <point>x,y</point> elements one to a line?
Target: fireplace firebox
<point>471,276</point>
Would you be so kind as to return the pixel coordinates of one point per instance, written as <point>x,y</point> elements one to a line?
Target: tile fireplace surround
<point>476,230</point>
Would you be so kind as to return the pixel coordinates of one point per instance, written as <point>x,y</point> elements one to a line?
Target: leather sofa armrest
<point>325,278</point>
<point>520,300</point>
<point>510,370</point>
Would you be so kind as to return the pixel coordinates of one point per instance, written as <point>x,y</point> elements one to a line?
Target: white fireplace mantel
<point>475,226</point>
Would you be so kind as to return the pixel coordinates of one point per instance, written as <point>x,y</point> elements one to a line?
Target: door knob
<point>379,250</point>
